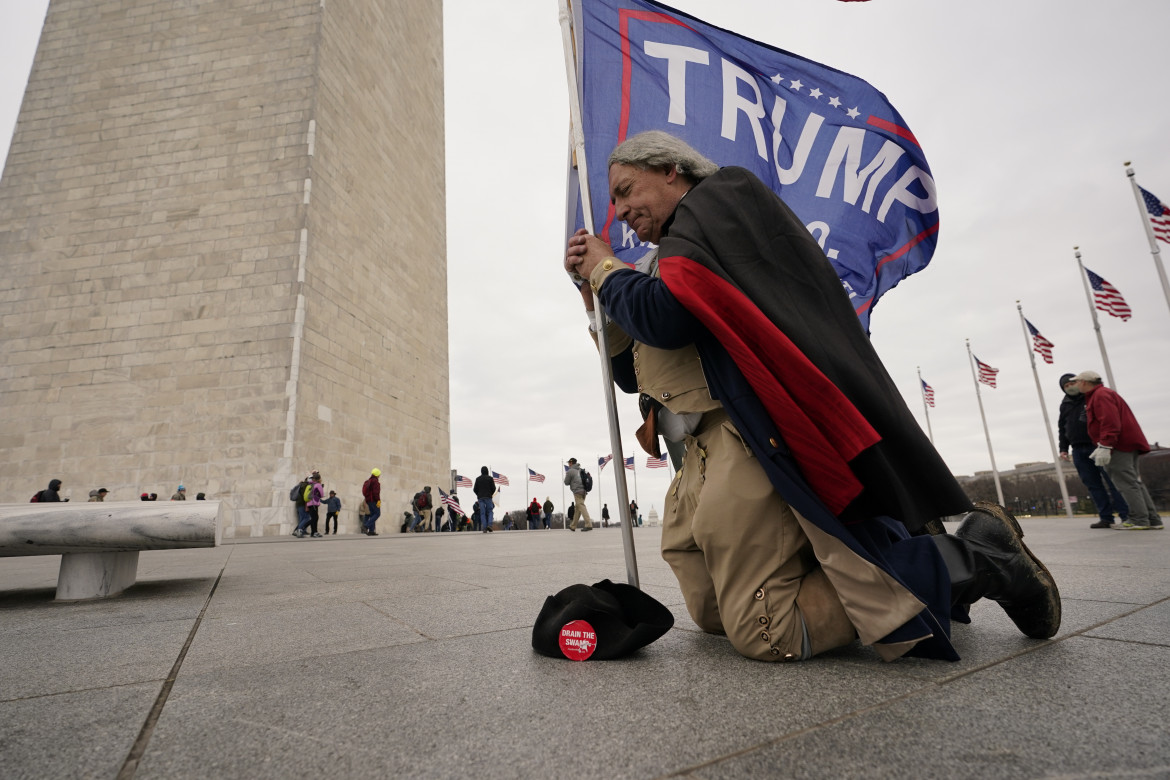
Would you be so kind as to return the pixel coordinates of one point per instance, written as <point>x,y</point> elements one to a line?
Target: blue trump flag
<point>827,142</point>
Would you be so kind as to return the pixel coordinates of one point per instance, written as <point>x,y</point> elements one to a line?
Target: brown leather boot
<point>987,558</point>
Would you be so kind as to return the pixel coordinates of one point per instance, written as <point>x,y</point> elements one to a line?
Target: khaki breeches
<point>752,568</point>
<point>735,545</point>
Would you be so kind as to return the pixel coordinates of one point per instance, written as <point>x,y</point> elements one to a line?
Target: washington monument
<point>222,230</point>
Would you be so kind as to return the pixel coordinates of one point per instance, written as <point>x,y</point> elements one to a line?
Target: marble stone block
<point>95,575</point>
<point>99,542</point>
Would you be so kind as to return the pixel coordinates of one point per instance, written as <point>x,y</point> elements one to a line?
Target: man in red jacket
<point>372,493</point>
<point>1120,441</point>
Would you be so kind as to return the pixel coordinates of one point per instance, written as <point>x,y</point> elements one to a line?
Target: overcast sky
<point>1025,111</point>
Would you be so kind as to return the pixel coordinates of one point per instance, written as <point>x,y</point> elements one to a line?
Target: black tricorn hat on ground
<point>623,617</point>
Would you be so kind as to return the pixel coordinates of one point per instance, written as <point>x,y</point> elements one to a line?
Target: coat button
<point>607,265</point>
<point>637,371</point>
<point>635,354</point>
<point>775,651</point>
<point>764,635</point>
<point>760,594</point>
<point>791,657</point>
<point>772,441</point>
<point>763,620</point>
<point>665,396</point>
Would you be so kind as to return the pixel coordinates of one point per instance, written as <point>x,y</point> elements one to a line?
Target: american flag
<point>927,393</point>
<point>499,479</point>
<point>450,501</point>
<point>630,463</point>
<point>1040,344</point>
<point>1158,214</point>
<point>656,463</point>
<point>1107,298</point>
<point>602,462</point>
<point>534,477</point>
<point>462,481</point>
<point>986,372</point>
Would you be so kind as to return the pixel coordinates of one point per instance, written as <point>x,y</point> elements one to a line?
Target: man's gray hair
<point>656,149</point>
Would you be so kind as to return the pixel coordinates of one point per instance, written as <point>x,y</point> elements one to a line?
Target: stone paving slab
<point>1077,708</point>
<point>489,707</point>
<point>38,663</point>
<point>71,735</point>
<point>410,656</point>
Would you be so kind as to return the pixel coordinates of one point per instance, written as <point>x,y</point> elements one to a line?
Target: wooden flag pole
<point>1149,236</point>
<point>1096,323</point>
<point>986,433</point>
<point>1044,412</point>
<point>615,435</point>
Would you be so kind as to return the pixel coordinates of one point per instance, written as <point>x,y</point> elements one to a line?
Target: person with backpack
<point>51,493</point>
<point>311,495</point>
<point>297,495</point>
<point>372,493</point>
<point>580,483</point>
<point>314,499</point>
<point>534,515</point>
<point>548,510</point>
<point>422,506</point>
<point>484,488</point>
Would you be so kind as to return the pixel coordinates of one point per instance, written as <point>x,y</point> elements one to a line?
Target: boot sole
<point>1051,616</point>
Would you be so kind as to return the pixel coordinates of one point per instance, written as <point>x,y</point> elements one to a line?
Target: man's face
<point>644,199</point>
<point>1085,387</point>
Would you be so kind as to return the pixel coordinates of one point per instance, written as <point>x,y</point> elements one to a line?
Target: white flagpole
<point>527,483</point>
<point>615,435</point>
<point>1157,253</point>
<point>599,486</point>
<point>925,406</point>
<point>987,433</point>
<point>634,463</point>
<point>1044,411</point>
<point>1096,323</point>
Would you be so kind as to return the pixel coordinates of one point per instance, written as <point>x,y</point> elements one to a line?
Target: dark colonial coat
<point>743,280</point>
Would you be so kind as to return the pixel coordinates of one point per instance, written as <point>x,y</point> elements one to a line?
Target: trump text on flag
<point>829,143</point>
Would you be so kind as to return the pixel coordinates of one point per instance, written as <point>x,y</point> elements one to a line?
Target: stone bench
<point>99,542</point>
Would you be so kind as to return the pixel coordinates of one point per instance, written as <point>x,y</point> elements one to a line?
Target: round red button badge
<point>578,640</point>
